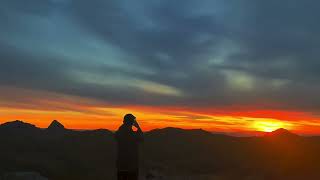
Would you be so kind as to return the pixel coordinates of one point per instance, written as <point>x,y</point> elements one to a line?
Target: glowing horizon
<point>149,120</point>
<point>81,113</point>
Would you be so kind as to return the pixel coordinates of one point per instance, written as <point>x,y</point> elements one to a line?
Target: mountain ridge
<point>90,154</point>
<point>281,133</point>
<point>55,125</point>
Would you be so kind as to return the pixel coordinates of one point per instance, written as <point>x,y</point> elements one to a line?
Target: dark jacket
<point>128,148</point>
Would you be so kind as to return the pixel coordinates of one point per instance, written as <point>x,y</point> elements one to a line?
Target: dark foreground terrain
<point>61,154</point>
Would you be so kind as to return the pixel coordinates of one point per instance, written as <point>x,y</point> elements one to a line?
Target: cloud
<point>174,53</point>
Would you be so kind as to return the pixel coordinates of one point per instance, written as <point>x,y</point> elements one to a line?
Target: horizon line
<point>232,134</point>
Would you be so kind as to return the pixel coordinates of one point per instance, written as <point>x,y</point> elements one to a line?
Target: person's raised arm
<point>139,131</point>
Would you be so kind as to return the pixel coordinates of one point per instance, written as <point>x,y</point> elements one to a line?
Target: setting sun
<point>268,126</point>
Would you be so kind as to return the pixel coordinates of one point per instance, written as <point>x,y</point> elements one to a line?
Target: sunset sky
<point>235,66</point>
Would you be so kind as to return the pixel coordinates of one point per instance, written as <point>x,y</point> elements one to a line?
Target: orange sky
<point>110,118</point>
<point>81,113</point>
<point>77,113</point>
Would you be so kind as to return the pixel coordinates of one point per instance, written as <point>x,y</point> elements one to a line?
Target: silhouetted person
<point>128,148</point>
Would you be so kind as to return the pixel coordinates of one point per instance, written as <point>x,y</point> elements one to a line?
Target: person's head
<point>129,119</point>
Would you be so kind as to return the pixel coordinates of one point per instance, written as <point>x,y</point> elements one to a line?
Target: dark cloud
<point>208,53</point>
<point>39,7</point>
<point>22,69</point>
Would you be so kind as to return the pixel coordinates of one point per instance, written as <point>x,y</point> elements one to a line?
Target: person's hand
<point>135,124</point>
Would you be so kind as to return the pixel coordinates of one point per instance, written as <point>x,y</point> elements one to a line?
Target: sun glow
<point>268,126</point>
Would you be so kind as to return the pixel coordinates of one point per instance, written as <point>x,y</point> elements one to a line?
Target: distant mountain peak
<point>17,124</point>
<point>17,127</point>
<point>56,125</point>
<point>173,131</point>
<point>281,132</point>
